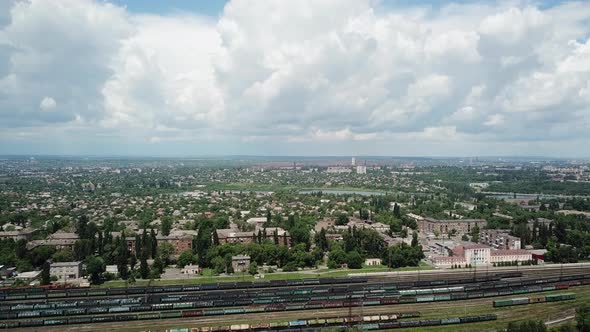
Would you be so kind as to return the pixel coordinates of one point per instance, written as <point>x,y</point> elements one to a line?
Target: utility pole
<point>349,307</point>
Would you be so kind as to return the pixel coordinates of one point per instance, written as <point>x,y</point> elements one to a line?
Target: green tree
<point>475,234</point>
<point>158,266</point>
<point>320,240</point>
<point>253,268</point>
<point>45,277</point>
<point>354,260</point>
<point>414,239</point>
<point>166,225</point>
<point>166,250</point>
<point>185,258</point>
<point>21,248</point>
<point>144,270</point>
<point>342,219</point>
<point>63,255</point>
<point>396,211</point>
<point>153,243</point>
<point>95,266</point>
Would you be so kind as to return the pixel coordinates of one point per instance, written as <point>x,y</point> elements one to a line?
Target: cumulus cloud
<point>307,72</point>
<point>47,104</point>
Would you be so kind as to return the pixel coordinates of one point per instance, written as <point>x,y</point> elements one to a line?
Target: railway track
<point>373,281</point>
<point>428,310</point>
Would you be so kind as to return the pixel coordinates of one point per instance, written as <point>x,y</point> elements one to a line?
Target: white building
<point>361,169</point>
<point>65,271</point>
<point>113,269</point>
<point>339,170</point>
<point>510,255</point>
<point>191,269</point>
<point>478,254</point>
<point>257,221</point>
<point>373,261</point>
<point>353,161</point>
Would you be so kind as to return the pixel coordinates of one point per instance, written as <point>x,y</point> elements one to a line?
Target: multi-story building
<point>233,236</point>
<point>66,271</point>
<point>180,241</point>
<point>510,255</point>
<point>339,169</point>
<point>444,226</point>
<point>499,239</point>
<point>474,254</point>
<point>59,240</point>
<point>25,234</point>
<point>478,254</point>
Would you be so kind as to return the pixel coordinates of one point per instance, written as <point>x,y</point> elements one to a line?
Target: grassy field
<point>208,276</point>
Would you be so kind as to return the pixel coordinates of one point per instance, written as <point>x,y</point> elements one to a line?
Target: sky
<point>272,77</point>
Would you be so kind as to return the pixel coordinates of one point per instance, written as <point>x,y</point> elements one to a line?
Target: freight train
<point>122,313</point>
<point>31,293</point>
<point>362,323</point>
<point>530,300</point>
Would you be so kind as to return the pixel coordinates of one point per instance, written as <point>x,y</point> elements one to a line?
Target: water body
<point>342,192</point>
<point>502,195</point>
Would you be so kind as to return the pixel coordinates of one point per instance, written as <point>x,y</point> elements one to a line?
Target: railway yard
<point>458,300</point>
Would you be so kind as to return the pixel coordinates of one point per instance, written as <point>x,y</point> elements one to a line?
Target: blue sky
<point>307,77</point>
<point>209,8</point>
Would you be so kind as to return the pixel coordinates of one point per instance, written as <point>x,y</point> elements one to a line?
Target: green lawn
<point>208,276</point>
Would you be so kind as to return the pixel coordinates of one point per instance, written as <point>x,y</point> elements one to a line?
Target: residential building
<point>361,169</point>
<point>339,169</point>
<point>233,236</point>
<point>444,226</point>
<point>25,234</point>
<point>499,239</point>
<point>181,241</point>
<point>59,240</point>
<point>66,271</point>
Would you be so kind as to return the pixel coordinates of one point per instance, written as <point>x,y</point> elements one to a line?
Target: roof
<point>240,257</point>
<point>502,252</point>
<point>476,246</point>
<point>28,275</point>
<point>455,220</point>
<point>65,264</point>
<point>63,236</point>
<point>256,220</point>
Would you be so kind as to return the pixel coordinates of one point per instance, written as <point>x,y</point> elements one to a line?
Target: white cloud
<point>47,104</point>
<point>495,120</point>
<point>325,72</point>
